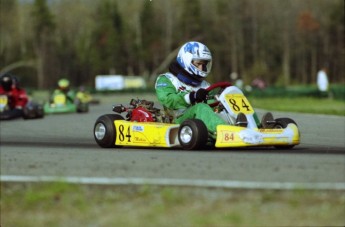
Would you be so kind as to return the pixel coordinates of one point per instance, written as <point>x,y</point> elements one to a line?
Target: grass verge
<point>301,105</point>
<point>62,204</point>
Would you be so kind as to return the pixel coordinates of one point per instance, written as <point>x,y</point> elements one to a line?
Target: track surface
<point>63,146</point>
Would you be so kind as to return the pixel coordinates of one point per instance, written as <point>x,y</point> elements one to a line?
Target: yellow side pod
<point>234,136</point>
<point>146,134</point>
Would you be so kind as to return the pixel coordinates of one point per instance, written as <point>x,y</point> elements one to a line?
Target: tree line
<point>284,42</point>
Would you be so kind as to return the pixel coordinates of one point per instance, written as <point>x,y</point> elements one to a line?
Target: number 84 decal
<point>239,103</point>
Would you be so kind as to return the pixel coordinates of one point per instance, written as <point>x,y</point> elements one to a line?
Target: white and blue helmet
<point>194,51</point>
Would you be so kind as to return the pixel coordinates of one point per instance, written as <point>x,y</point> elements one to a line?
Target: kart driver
<point>17,97</point>
<point>182,90</point>
<point>64,88</point>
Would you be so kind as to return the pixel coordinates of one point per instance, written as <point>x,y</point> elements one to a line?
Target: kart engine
<point>141,114</point>
<point>142,111</point>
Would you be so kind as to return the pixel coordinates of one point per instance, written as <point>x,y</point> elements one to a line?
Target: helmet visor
<point>202,65</point>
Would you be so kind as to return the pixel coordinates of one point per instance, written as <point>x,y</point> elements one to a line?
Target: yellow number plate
<point>239,103</point>
<point>60,99</point>
<point>3,101</point>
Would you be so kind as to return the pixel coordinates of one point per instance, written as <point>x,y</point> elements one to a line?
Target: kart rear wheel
<point>33,111</point>
<point>82,107</point>
<point>28,113</point>
<point>283,123</point>
<point>192,134</point>
<point>104,130</point>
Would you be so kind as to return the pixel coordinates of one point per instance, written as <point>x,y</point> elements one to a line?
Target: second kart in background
<point>65,100</point>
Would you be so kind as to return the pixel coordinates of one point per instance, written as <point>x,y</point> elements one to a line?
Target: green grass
<point>300,105</point>
<point>61,204</point>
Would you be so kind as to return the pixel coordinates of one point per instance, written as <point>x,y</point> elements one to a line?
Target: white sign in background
<point>109,82</point>
<point>118,82</point>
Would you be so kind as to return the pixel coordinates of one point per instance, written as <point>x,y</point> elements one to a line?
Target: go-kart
<point>86,97</point>
<point>31,110</point>
<point>147,126</point>
<point>63,104</point>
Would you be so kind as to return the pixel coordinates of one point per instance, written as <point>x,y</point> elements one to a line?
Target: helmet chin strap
<point>183,75</point>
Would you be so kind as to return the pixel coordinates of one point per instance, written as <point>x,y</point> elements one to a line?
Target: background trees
<point>282,42</point>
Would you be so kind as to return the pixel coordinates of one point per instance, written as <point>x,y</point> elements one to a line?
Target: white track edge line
<point>177,182</point>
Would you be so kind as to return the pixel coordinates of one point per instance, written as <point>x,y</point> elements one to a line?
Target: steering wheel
<point>221,85</point>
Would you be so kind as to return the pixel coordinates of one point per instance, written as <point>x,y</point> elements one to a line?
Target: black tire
<point>283,123</point>
<point>33,111</point>
<point>26,113</point>
<point>29,112</point>
<point>104,130</point>
<point>193,134</point>
<point>39,111</point>
<point>82,107</point>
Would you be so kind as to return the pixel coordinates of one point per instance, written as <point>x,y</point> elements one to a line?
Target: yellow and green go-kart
<point>61,103</point>
<point>146,126</point>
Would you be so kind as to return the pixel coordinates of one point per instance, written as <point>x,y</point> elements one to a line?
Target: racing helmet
<point>190,52</point>
<point>6,82</point>
<point>63,84</point>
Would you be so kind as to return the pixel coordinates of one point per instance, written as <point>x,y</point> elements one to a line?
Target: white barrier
<point>109,82</point>
<point>118,82</point>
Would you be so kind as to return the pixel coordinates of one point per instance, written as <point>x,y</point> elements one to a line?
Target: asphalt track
<point>62,147</point>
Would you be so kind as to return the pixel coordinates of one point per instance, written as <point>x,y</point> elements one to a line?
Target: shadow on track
<point>50,144</point>
<point>296,150</point>
<point>257,150</point>
<point>69,143</point>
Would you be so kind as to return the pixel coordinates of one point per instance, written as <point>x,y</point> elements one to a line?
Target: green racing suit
<point>173,94</point>
<point>70,95</point>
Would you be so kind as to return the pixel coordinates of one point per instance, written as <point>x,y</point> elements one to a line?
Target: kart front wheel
<point>104,130</point>
<point>192,134</point>
<point>39,111</point>
<point>283,123</point>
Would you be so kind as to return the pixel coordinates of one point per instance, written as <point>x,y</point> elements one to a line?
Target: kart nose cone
<point>186,134</point>
<point>100,131</point>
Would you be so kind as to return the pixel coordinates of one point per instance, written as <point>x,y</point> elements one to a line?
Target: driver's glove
<point>198,96</point>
